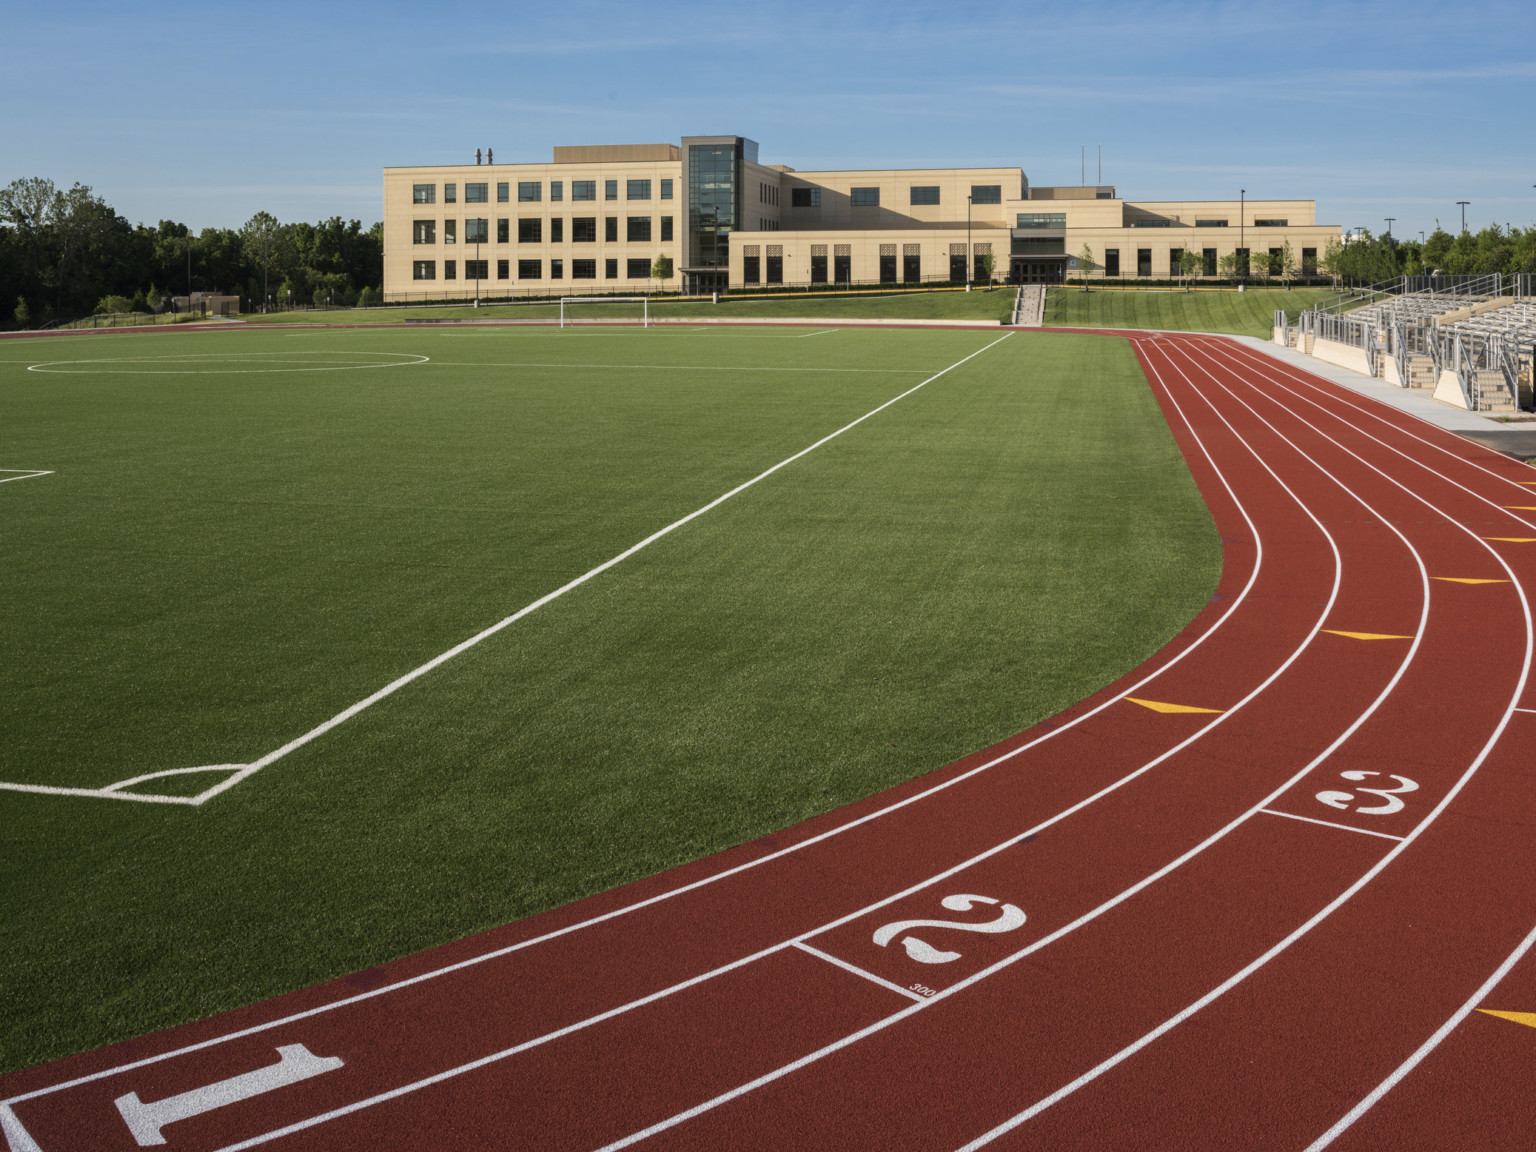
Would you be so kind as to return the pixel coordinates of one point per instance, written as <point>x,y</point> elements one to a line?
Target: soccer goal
<point>605,310</point>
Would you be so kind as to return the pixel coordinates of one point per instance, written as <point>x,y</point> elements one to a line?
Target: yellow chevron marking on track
<point>1159,706</point>
<point>1519,507</point>
<point>1467,580</point>
<point>1513,539</point>
<point>1366,635</point>
<point>1526,1018</point>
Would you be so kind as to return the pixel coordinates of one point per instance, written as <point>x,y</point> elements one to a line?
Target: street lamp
<point>1463,204</point>
<point>1242,195</point>
<point>1389,220</point>
<point>968,256</point>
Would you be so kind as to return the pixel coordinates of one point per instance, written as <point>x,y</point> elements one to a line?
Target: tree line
<point>1370,259</point>
<point>65,253</point>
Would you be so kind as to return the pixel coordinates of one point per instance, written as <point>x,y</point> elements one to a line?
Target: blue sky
<point>207,113</point>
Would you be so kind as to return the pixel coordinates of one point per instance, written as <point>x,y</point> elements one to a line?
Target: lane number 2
<point>1009,918</point>
<point>1390,802</point>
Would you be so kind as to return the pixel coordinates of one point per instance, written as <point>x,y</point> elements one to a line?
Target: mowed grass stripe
<point>1244,313</point>
<point>981,554</point>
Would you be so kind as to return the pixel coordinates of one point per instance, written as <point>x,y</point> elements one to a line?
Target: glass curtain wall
<point>714,202</point>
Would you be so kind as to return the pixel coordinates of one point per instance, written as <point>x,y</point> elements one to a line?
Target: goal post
<point>576,310</point>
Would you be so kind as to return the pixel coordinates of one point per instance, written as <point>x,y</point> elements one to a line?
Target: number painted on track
<point>1343,800</point>
<point>922,989</point>
<point>1009,918</point>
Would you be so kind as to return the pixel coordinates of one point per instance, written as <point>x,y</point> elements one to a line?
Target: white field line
<point>25,474</point>
<point>1093,914</point>
<point>671,367</point>
<point>1232,608</point>
<point>1338,901</point>
<point>245,771</point>
<point>1331,824</point>
<point>857,971</point>
<point>152,365</point>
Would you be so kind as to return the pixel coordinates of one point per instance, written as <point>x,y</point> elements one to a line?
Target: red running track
<point>1265,921</point>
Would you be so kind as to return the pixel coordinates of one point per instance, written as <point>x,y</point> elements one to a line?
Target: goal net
<point>626,310</point>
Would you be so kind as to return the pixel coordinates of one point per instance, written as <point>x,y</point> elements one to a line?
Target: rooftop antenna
<point>1101,163</point>
<point>1083,161</point>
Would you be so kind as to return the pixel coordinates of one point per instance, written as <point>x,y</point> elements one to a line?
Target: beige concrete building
<point>595,220</point>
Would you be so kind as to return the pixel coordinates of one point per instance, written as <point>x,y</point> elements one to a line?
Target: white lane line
<point>1525,709</point>
<point>678,367</point>
<point>1339,901</point>
<point>246,771</point>
<point>1007,961</point>
<point>1329,824</point>
<point>1236,602</point>
<point>857,971</point>
<point>25,474</point>
<point>1408,1065</point>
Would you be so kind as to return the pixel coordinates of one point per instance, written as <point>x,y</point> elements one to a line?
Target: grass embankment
<point>1249,313</point>
<point>227,556</point>
<point>977,305</point>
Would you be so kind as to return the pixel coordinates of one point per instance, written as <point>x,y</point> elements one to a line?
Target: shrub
<point>108,304</point>
<point>22,314</point>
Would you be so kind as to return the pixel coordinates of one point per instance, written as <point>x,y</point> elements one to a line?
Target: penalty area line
<point>395,685</point>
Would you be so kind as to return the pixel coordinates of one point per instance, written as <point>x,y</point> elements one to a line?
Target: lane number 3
<point>1390,802</point>
<point>1009,918</point>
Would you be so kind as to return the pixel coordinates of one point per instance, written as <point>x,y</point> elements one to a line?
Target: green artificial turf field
<point>247,531</point>
<point>942,305</point>
<point>1249,313</point>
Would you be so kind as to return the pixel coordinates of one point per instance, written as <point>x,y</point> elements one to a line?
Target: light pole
<point>1242,196</point>
<point>477,269</point>
<point>266,289</point>
<point>1463,204</point>
<point>189,270</point>
<point>968,256</point>
<point>1389,220</point>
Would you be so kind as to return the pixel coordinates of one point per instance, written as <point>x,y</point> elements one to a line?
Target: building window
<point>583,231</point>
<point>530,269</point>
<point>1208,261</point>
<point>611,229</point>
<point>751,264</point>
<point>557,189</point>
<point>450,231</point>
<point>637,269</point>
<point>818,263</point>
<point>666,228</point>
<point>887,263</point>
<point>423,193</point>
<point>1111,261</point>
<point>775,264</point>
<point>1143,261</point>
<point>529,191</point>
<point>925,194</point>
<point>956,263</point>
<point>639,229</point>
<point>1041,220</point>
<point>666,189</point>
<point>477,231</point>
<point>805,197</point>
<point>450,270</point>
<point>477,193</point>
<point>503,269</point>
<point>424,232</point>
<point>1309,261</point>
<point>450,193</point>
<point>986,193</point>
<point>610,189</point>
<point>424,270</point>
<point>911,263</point>
<point>503,226</point>
<point>1151,223</point>
<point>1271,223</point>
<point>842,263</point>
<point>637,190</point>
<point>557,231</point>
<point>557,269</point>
<point>583,190</point>
<point>1038,245</point>
<point>530,230</point>
<point>1210,223</point>
<point>477,270</point>
<point>979,253</point>
<point>503,192</point>
<point>865,197</point>
<point>611,269</point>
<point>1175,257</point>
<point>583,269</point>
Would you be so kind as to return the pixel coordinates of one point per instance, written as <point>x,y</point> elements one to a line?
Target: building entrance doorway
<point>699,281</point>
<point>1023,270</point>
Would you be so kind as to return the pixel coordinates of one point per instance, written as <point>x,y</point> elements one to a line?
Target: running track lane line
<point>1236,602</point>
<point>395,685</point>
<point>537,1041</point>
<point>1391,855</point>
<point>1007,961</point>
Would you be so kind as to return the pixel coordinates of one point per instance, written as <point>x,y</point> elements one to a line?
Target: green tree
<point>1190,263</point>
<point>1333,259</point>
<point>1290,267</point>
<point>22,314</point>
<point>1229,265</point>
<point>1086,264</point>
<point>988,262</point>
<point>661,269</point>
